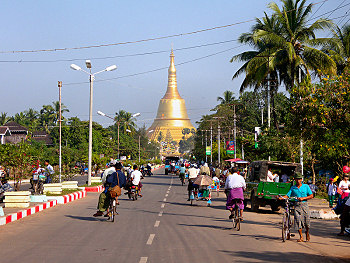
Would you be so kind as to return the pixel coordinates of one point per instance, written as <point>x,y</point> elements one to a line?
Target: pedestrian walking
<point>332,192</point>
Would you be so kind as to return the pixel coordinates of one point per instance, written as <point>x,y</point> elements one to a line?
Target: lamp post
<point>92,75</point>
<point>118,124</point>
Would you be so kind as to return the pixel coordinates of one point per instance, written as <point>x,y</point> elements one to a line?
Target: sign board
<point>208,150</point>
<point>230,147</point>
<point>122,158</point>
<point>256,134</point>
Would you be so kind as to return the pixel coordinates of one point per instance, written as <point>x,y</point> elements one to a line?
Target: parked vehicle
<point>169,167</point>
<point>260,192</point>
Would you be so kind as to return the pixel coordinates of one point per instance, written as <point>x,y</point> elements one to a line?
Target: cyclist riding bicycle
<point>182,172</point>
<point>234,187</point>
<point>116,178</point>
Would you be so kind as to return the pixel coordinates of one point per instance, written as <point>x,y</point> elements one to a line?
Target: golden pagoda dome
<point>172,115</point>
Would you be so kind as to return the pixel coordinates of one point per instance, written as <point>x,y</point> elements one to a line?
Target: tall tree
<point>282,47</point>
<point>4,118</point>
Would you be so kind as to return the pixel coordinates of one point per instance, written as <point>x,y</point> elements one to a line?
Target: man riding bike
<point>136,178</point>
<point>115,178</point>
<point>234,187</point>
<point>182,172</point>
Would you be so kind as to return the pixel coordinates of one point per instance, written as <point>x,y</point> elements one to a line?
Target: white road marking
<point>162,206</point>
<point>150,239</point>
<point>164,200</point>
<point>143,260</point>
<point>167,192</point>
<point>166,195</point>
<point>160,213</point>
<point>156,224</point>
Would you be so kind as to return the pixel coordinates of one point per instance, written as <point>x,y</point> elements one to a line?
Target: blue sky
<point>33,25</point>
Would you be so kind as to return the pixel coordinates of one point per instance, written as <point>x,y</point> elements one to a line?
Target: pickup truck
<point>260,192</point>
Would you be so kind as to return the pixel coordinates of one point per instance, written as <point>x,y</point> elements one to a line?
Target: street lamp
<point>92,75</point>
<point>118,124</point>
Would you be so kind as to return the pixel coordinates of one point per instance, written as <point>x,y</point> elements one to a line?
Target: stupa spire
<point>172,92</point>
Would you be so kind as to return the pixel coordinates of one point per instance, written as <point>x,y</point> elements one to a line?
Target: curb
<point>23,213</point>
<point>98,188</point>
<point>68,198</point>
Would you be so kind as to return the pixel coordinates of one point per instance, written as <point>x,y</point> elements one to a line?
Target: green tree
<point>4,118</point>
<point>338,47</point>
<point>228,97</point>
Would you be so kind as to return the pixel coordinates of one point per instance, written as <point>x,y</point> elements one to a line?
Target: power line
<point>117,56</point>
<point>154,70</point>
<point>138,41</point>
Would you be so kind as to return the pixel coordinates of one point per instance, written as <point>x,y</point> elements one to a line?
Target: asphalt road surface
<point>162,227</point>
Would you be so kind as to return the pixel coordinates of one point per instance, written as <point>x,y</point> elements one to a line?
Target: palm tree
<point>56,107</point>
<point>281,44</point>
<point>338,47</point>
<point>4,118</point>
<point>125,120</point>
<point>31,118</point>
<point>47,116</point>
<point>227,98</point>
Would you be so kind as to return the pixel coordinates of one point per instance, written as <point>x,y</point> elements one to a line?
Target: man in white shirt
<point>136,178</point>
<point>192,175</point>
<point>270,176</point>
<point>49,171</point>
<point>234,186</point>
<point>108,171</point>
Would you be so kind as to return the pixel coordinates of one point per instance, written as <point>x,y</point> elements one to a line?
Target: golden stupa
<point>172,115</point>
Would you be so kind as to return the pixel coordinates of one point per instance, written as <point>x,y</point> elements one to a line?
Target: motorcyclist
<point>234,187</point>
<point>136,178</point>
<point>116,178</point>
<point>149,169</point>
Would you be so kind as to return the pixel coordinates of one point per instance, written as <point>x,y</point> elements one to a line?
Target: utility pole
<point>234,129</point>
<point>206,144</point>
<point>301,138</point>
<point>211,142</point>
<point>242,147</point>
<point>219,142</point>
<point>60,121</point>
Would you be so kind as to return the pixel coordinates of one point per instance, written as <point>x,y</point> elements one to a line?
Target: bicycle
<point>112,209</point>
<point>237,217</point>
<point>287,221</point>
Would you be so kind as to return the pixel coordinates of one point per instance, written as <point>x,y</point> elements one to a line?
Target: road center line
<point>167,192</point>
<point>162,206</point>
<point>164,200</point>
<point>156,224</point>
<point>160,213</point>
<point>166,195</point>
<point>143,260</point>
<point>150,239</point>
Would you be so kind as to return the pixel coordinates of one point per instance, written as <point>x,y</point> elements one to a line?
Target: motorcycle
<point>149,172</point>
<point>38,183</point>
<point>133,192</point>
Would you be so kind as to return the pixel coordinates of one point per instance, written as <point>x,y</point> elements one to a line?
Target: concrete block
<point>70,185</point>
<point>16,205</point>
<point>17,193</point>
<point>19,199</point>
<point>1,211</point>
<point>38,198</point>
<point>96,179</point>
<point>53,188</point>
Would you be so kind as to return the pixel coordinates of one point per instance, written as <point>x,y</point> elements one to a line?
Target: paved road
<point>161,227</point>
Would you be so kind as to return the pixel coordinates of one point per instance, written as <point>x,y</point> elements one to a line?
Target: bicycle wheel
<point>238,219</point>
<point>285,226</point>
<point>113,210</point>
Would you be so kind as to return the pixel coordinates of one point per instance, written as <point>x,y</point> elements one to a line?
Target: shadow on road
<point>207,226</point>
<point>272,256</point>
<point>87,218</point>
